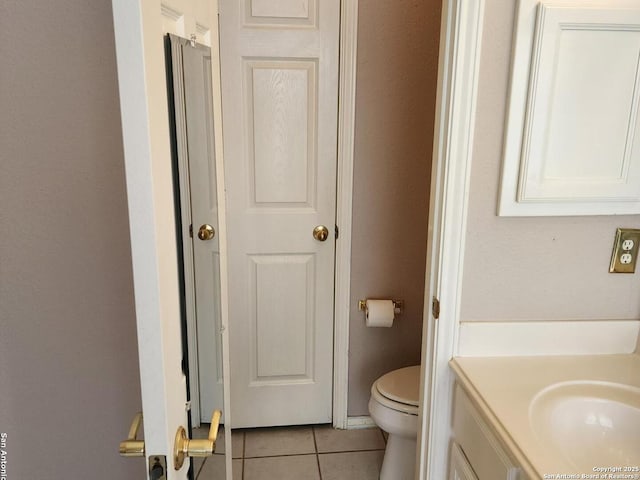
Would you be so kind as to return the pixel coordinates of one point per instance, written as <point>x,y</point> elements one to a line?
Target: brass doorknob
<point>206,232</point>
<point>185,447</point>
<point>321,233</point>
<point>132,447</point>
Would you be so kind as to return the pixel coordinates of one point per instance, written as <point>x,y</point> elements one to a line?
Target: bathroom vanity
<point>529,418</point>
<point>476,451</point>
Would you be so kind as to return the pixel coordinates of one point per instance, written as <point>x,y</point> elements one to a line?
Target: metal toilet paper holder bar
<point>398,305</point>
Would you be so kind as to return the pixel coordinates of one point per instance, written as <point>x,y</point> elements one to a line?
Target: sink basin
<point>590,423</point>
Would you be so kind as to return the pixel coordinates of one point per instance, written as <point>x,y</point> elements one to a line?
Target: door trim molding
<point>344,199</point>
<point>361,422</point>
<point>459,59</point>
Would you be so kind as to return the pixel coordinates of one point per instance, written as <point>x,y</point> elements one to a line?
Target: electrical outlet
<point>625,251</point>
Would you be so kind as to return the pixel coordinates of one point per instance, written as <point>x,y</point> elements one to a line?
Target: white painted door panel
<point>279,79</point>
<point>139,27</point>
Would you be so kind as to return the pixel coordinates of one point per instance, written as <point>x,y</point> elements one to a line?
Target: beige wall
<point>68,363</point>
<point>395,105</point>
<point>531,268</point>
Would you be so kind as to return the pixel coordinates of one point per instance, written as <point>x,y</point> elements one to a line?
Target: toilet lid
<point>401,385</point>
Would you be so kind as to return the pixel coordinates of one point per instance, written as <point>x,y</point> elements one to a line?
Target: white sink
<point>591,424</point>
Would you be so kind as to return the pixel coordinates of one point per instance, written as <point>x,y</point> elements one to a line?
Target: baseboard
<point>356,423</point>
<point>590,337</point>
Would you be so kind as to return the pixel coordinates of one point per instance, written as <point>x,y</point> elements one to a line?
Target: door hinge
<point>191,231</point>
<point>435,308</point>
<point>337,232</point>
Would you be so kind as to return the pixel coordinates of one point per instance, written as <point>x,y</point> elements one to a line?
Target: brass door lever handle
<point>185,447</point>
<point>131,447</point>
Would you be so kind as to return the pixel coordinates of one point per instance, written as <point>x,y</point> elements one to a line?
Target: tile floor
<point>296,453</point>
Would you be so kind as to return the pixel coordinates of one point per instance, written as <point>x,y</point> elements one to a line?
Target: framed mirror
<point>189,84</point>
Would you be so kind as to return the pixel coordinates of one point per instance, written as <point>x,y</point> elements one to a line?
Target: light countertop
<point>503,388</point>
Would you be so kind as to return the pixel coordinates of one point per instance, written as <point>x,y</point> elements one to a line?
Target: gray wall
<point>69,381</point>
<point>531,268</point>
<point>395,110</point>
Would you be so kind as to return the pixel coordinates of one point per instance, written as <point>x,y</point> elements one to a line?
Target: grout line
<point>354,451</point>
<point>383,437</point>
<point>244,449</point>
<point>244,441</point>
<point>318,453</point>
<point>315,445</point>
<point>197,474</point>
<point>283,455</point>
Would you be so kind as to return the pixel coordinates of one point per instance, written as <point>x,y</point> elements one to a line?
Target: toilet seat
<point>399,390</point>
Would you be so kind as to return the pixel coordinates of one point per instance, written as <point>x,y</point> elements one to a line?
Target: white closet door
<point>279,81</point>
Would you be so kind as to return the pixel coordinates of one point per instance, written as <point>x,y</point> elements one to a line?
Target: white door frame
<point>460,45</point>
<point>344,202</point>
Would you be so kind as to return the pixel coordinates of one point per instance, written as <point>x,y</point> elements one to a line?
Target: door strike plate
<point>157,467</point>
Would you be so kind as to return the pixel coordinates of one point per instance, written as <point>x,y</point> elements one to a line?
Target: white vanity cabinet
<point>459,468</point>
<point>476,453</point>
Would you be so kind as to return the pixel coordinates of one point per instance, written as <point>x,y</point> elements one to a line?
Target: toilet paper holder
<point>398,305</point>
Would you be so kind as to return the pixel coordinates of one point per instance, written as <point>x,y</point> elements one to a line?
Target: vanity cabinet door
<point>459,468</point>
<point>478,442</point>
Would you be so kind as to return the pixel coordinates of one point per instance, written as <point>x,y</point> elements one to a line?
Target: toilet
<point>393,406</point>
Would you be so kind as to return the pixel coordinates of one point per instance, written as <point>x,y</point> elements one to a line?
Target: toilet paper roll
<point>380,313</point>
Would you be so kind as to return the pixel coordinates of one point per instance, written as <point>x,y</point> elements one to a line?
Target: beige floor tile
<point>200,432</point>
<point>351,465</point>
<point>214,469</point>
<point>271,442</point>
<point>237,443</point>
<point>220,442</point>
<point>237,469</point>
<point>296,467</point>
<point>237,439</point>
<point>331,440</point>
<point>197,465</point>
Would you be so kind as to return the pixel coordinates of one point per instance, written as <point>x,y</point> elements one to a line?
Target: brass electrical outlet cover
<point>625,251</point>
